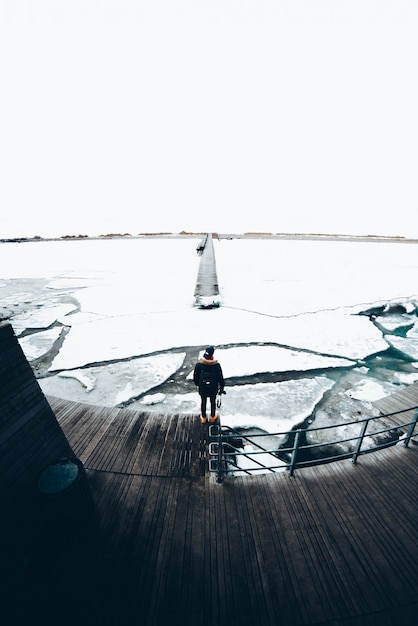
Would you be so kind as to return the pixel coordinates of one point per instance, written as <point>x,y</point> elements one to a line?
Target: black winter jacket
<point>213,368</point>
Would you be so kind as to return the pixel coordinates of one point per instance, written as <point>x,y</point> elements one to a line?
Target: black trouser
<point>212,399</point>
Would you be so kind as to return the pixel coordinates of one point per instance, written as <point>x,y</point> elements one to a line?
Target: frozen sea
<point>308,329</point>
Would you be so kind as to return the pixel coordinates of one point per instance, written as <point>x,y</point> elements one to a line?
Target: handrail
<point>225,455</point>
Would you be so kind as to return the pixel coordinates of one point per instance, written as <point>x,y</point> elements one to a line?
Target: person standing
<point>208,377</point>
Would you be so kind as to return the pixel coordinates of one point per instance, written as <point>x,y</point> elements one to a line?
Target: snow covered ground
<point>306,327</point>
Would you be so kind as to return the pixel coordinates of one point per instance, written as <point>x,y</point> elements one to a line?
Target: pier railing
<point>238,451</point>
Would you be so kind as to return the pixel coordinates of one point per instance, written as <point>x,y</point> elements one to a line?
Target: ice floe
<point>38,345</point>
<point>114,384</point>
<point>41,316</point>
<point>252,360</point>
<point>273,407</point>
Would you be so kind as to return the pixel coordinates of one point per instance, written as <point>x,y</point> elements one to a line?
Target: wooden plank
<point>267,601</point>
<point>330,523</point>
<point>128,450</point>
<point>159,522</point>
<point>220,584</point>
<point>319,601</point>
<point>195,584</point>
<point>279,579</point>
<point>391,527</point>
<point>355,547</point>
<point>366,530</point>
<point>244,582</point>
<point>175,564</point>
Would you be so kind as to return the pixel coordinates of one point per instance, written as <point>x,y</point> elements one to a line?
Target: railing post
<point>360,441</point>
<point>411,429</point>
<point>219,477</point>
<point>294,452</point>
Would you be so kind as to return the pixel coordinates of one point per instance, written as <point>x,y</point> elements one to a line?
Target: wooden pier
<point>207,288</point>
<point>333,545</point>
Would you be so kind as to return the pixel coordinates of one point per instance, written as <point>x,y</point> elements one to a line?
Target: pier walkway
<point>333,545</point>
<point>207,288</point>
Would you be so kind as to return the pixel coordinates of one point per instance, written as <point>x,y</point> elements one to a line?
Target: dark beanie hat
<point>209,352</point>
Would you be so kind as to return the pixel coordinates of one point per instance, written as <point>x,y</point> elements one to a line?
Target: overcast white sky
<point>220,115</point>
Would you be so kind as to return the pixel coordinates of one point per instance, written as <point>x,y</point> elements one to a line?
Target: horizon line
<point>215,234</point>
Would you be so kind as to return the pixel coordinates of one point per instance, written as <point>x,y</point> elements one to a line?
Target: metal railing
<point>229,456</point>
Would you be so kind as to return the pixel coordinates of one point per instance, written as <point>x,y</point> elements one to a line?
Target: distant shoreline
<point>194,235</point>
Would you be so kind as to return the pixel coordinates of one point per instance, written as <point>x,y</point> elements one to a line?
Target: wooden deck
<point>332,545</point>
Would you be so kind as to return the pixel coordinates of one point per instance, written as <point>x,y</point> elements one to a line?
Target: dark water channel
<point>385,367</point>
